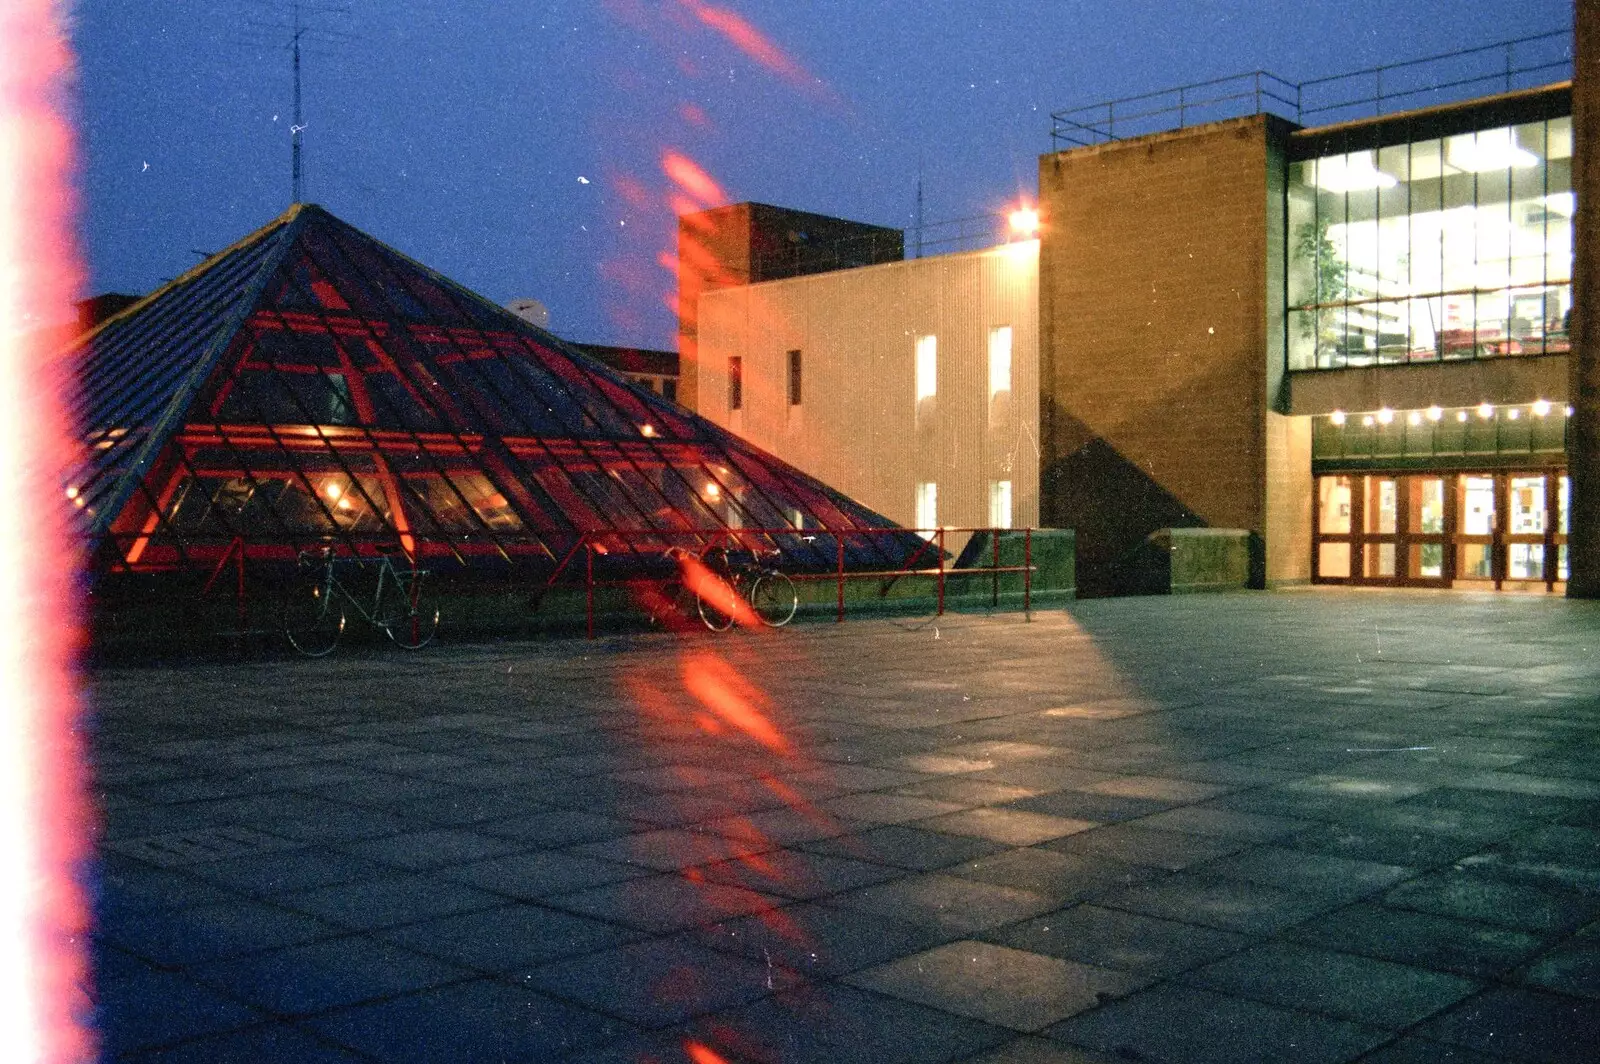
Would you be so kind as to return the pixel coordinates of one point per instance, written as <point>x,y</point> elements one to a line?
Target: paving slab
<point>1097,834</point>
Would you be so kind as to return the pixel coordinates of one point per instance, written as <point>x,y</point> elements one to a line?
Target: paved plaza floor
<point>1300,826</point>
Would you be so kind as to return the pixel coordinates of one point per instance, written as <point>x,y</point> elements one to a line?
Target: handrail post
<point>941,572</point>
<point>588,584</point>
<point>839,617</point>
<point>994,591</point>
<point>1027,572</point>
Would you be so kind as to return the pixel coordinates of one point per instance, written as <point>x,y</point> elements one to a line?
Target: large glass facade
<point>1453,247</point>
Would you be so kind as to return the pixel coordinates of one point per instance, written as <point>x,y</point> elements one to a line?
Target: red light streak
<point>751,41</point>
<point>700,1053</point>
<point>687,175</point>
<point>44,825</point>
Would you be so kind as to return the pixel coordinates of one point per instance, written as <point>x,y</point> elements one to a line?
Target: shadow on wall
<point>1119,512</point>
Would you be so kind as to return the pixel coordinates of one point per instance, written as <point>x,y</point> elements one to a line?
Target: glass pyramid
<point>312,385</point>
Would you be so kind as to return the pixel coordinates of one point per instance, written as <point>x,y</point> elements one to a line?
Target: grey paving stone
<point>1321,873</point>
<point>964,791</point>
<point>191,935</point>
<point>1229,904</point>
<point>669,849</point>
<point>1033,1050</point>
<point>1428,941</point>
<point>1007,825</point>
<point>1573,968</point>
<point>1086,806</point>
<point>951,904</point>
<point>154,1008</point>
<point>1423,1051</point>
<point>270,1042</point>
<point>322,975</point>
<point>880,808</point>
<point>1109,938</point>
<point>665,903</point>
<point>508,938</point>
<point>375,903</point>
<point>796,873</point>
<point>996,984</point>
<point>1411,848</point>
<point>423,850</point>
<point>821,940</point>
<point>558,827</point>
<point>540,874</point>
<point>660,981</point>
<point>1134,844</point>
<point>1370,991</point>
<point>905,847</point>
<point>1178,1025</point>
<point>1224,823</point>
<point>780,827</point>
<point>1472,897</point>
<point>1060,876</point>
<point>265,875</point>
<point>480,1021</point>
<point>1522,1025</point>
<point>836,1024</point>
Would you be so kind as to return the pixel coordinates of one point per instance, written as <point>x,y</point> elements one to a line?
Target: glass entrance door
<point>1436,529</point>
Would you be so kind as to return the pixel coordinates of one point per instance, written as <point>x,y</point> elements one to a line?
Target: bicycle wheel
<point>773,598</point>
<point>312,620</point>
<point>718,614</point>
<point>408,614</point>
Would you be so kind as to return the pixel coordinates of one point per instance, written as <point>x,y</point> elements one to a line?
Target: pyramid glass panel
<point>311,385</point>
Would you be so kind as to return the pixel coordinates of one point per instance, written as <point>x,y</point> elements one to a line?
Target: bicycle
<point>767,589</point>
<point>314,614</point>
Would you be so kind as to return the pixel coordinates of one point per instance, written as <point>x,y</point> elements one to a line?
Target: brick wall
<point>1153,346</point>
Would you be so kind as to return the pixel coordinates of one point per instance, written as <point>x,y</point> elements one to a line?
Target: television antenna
<point>305,23</point>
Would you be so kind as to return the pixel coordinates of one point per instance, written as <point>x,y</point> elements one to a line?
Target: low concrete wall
<point>1206,559</point>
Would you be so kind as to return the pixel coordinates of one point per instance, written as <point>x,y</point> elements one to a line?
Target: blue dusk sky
<point>540,147</point>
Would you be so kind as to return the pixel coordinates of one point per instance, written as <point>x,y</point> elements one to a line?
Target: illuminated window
<point>794,378</point>
<point>927,519</point>
<point>735,382</point>
<point>999,360</point>
<point>999,504</point>
<point>927,367</point>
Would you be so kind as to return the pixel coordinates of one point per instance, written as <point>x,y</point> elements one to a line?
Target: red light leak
<point>45,997</point>
<point>753,43</point>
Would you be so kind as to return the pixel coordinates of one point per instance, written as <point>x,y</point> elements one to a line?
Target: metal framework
<point>312,385</point>
<point>1506,66</point>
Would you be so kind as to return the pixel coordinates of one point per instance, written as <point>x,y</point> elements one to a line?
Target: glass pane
<point>1527,506</point>
<point>1427,560</point>
<point>1477,507</point>
<point>1333,560</point>
<point>1333,497</point>
<point>1525,561</point>
<point>1380,559</point>
<point>1381,507</point>
<point>1474,562</point>
<point>1561,562</point>
<point>1427,504</point>
<point>1562,494</point>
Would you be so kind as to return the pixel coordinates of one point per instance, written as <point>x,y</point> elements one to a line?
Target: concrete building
<point>1351,341</point>
<point>914,384</point>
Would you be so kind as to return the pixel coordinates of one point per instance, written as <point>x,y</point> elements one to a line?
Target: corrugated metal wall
<point>859,426</point>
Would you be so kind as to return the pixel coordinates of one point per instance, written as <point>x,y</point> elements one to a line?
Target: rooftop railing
<point>1525,62</point>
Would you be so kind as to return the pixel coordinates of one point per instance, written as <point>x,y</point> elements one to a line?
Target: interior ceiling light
<point>1487,151</point>
<point>1513,413</point>
<point>1414,418</point>
<point>1461,415</point>
<point>1434,413</point>
<point>1486,410</point>
<point>1352,173</point>
<point>1569,411</point>
<point>1385,416</point>
<point>1337,417</point>
<point>1367,421</point>
<point>1541,408</point>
